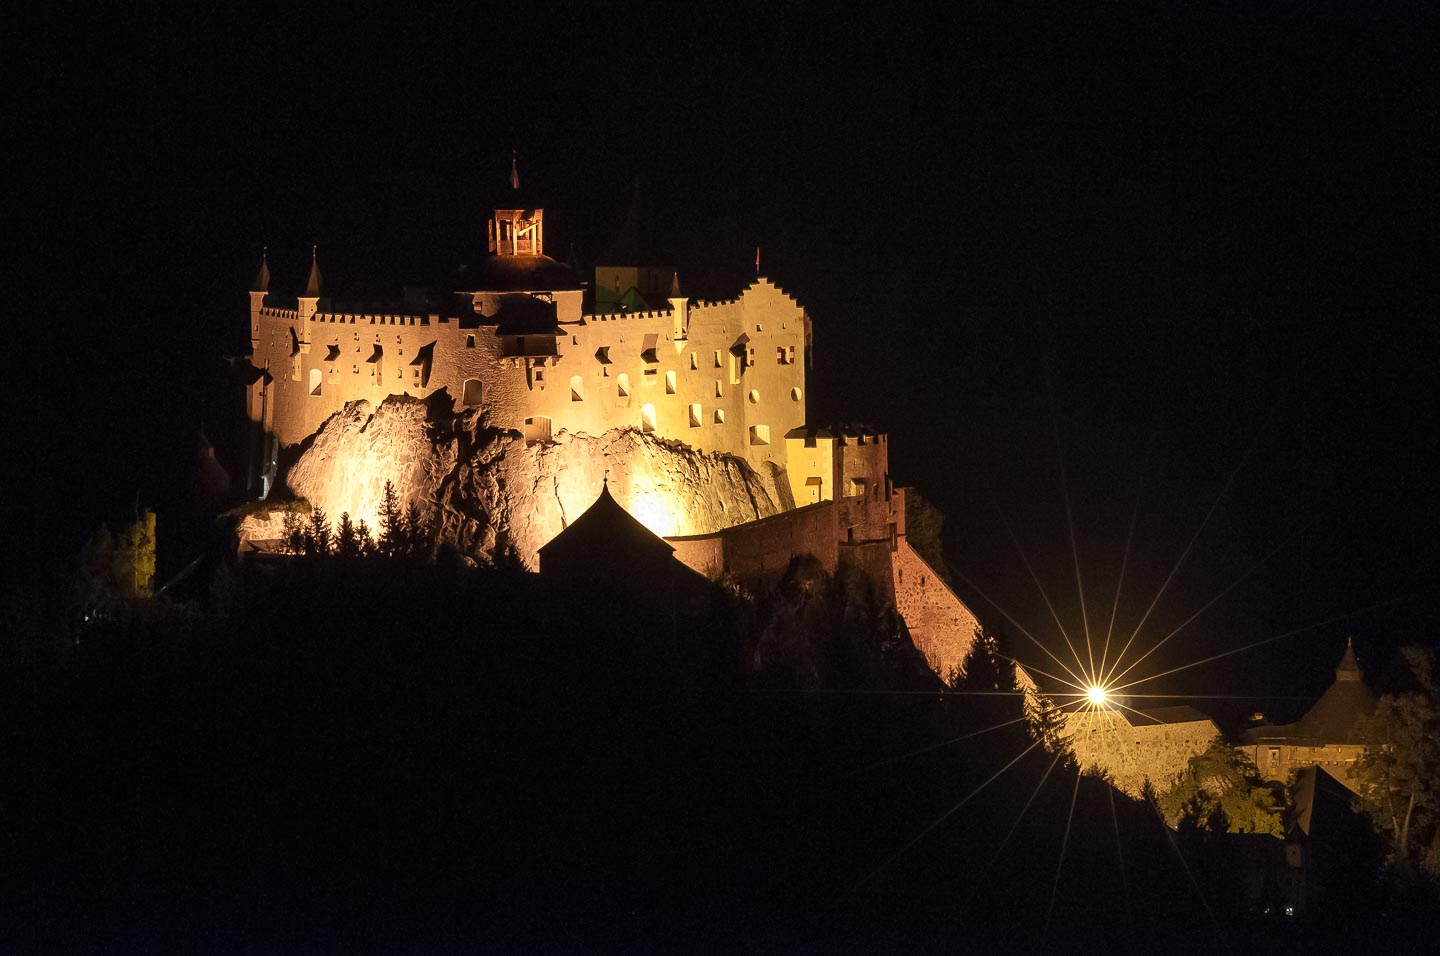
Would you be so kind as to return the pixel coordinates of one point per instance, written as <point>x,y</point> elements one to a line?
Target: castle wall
<point>676,374</point>
<point>940,624</point>
<point>1276,761</point>
<point>1130,753</point>
<point>764,548</point>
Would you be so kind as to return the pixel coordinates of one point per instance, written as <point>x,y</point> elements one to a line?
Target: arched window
<point>315,377</point>
<point>759,434</point>
<point>471,395</point>
<point>694,416</point>
<point>577,388</point>
<point>647,417</point>
<point>670,383</point>
<point>623,385</point>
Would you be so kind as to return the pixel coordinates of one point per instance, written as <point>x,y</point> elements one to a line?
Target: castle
<point>723,378</point>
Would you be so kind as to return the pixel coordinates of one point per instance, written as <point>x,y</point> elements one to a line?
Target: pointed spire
<point>312,285</point>
<point>514,171</point>
<point>674,285</point>
<point>1348,668</point>
<point>262,280</point>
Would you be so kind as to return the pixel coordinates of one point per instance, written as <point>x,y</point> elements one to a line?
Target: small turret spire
<point>674,285</point>
<point>262,279</point>
<point>514,171</point>
<point>312,285</point>
<point>1348,669</point>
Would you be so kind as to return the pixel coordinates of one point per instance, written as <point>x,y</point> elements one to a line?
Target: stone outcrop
<point>491,488</point>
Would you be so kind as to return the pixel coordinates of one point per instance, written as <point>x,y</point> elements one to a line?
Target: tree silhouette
<point>392,522</point>
<point>347,542</point>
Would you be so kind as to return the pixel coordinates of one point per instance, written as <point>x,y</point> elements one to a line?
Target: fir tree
<point>318,534</point>
<point>364,541</point>
<point>417,543</point>
<point>292,533</point>
<point>347,542</point>
<point>392,522</point>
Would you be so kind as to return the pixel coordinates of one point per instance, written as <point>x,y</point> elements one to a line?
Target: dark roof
<point>262,279</point>
<point>604,531</point>
<point>1334,719</point>
<point>523,274</point>
<point>1319,799</point>
<point>1151,716</point>
<point>312,284</point>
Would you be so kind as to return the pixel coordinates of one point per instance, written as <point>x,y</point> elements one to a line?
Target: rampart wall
<point>941,625</point>
<point>763,549</point>
<point>1130,753</point>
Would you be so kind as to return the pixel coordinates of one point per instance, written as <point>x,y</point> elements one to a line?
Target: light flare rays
<point>1079,681</point>
<point>931,827</point>
<point>1210,603</point>
<point>1124,564</point>
<point>1070,524</point>
<point>1060,863</point>
<point>1015,539</point>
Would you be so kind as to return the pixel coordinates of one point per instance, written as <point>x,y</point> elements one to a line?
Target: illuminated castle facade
<point>719,376</point>
<point>517,346</point>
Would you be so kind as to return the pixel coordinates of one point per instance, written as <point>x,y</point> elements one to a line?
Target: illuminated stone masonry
<point>503,407</point>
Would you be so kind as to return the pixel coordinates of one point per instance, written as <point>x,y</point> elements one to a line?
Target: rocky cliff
<point>488,487</point>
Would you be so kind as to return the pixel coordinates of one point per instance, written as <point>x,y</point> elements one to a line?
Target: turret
<point>258,290</point>
<point>310,300</point>
<point>1348,669</point>
<point>680,306</point>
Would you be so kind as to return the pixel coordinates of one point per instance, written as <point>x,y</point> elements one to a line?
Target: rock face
<point>491,488</point>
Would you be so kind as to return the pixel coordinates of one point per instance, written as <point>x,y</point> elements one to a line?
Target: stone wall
<point>1276,761</point>
<point>1131,754</point>
<point>724,377</point>
<point>762,549</point>
<point>942,627</point>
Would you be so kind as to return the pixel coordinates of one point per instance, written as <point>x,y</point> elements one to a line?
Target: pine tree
<point>347,542</point>
<point>417,543</point>
<point>291,532</point>
<point>365,542</point>
<point>392,522</point>
<point>318,534</point>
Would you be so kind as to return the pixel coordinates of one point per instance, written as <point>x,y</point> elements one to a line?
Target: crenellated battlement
<point>622,316</point>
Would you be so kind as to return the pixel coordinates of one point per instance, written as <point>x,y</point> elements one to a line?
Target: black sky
<point>1170,236</point>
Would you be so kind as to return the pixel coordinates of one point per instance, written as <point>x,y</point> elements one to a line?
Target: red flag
<point>757,260</point>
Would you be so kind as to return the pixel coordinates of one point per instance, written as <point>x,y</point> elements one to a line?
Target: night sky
<point>1198,247</point>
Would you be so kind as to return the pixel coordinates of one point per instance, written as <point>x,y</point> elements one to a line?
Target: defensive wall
<point>940,624</point>
<point>1132,748</point>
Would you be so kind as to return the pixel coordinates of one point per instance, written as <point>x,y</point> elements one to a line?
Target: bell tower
<point>517,231</point>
